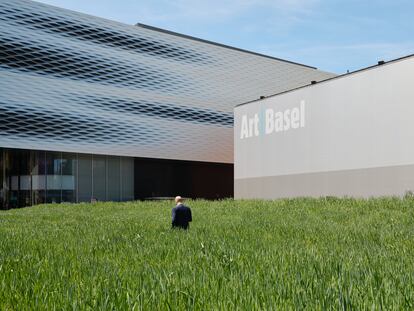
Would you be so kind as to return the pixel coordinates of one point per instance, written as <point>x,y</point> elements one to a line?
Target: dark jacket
<point>181,216</point>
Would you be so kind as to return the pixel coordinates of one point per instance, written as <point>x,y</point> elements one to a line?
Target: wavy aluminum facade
<point>76,83</point>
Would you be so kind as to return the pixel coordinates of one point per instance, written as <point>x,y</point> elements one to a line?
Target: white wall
<point>361,121</point>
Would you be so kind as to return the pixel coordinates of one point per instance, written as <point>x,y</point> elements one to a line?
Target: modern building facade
<point>120,111</point>
<point>347,136</point>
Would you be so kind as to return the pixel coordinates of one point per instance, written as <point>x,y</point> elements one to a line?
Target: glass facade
<point>29,177</point>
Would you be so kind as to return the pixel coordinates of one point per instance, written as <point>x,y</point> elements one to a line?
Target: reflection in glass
<point>114,179</point>
<point>99,177</point>
<point>127,179</point>
<point>69,169</point>
<point>2,190</point>
<point>84,178</point>
<point>25,182</point>
<point>38,174</point>
<point>53,177</point>
<point>6,179</point>
<point>29,177</point>
<point>19,176</point>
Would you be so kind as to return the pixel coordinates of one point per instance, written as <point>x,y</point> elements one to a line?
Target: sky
<point>332,35</point>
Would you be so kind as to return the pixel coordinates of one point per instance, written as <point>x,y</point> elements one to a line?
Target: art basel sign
<point>271,121</point>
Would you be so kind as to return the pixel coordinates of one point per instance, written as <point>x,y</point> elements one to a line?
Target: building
<point>347,136</point>
<point>95,109</point>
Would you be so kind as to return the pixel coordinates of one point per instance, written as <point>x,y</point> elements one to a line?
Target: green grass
<point>287,254</point>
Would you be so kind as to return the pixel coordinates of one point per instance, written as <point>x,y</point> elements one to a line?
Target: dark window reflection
<point>18,175</point>
<point>69,173</point>
<point>84,178</point>
<point>99,178</point>
<point>38,175</point>
<point>114,178</point>
<point>3,191</point>
<point>5,184</point>
<point>53,177</point>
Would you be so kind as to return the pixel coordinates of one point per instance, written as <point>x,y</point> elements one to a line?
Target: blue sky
<point>333,35</point>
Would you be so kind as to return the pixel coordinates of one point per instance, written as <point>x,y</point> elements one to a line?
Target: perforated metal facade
<point>76,83</point>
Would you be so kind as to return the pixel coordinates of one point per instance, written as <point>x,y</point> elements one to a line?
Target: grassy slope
<point>300,253</point>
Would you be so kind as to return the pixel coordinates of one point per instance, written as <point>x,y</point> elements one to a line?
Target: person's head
<point>178,199</point>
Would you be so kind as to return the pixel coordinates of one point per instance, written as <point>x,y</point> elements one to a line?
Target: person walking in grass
<point>181,214</point>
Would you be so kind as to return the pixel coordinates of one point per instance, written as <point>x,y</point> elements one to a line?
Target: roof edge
<point>380,64</point>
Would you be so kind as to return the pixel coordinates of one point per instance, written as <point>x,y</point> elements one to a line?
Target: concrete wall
<point>352,135</point>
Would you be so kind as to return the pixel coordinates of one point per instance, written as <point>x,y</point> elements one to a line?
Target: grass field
<point>287,254</point>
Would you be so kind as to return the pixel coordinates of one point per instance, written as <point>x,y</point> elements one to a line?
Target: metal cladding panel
<point>73,82</point>
<point>350,135</point>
